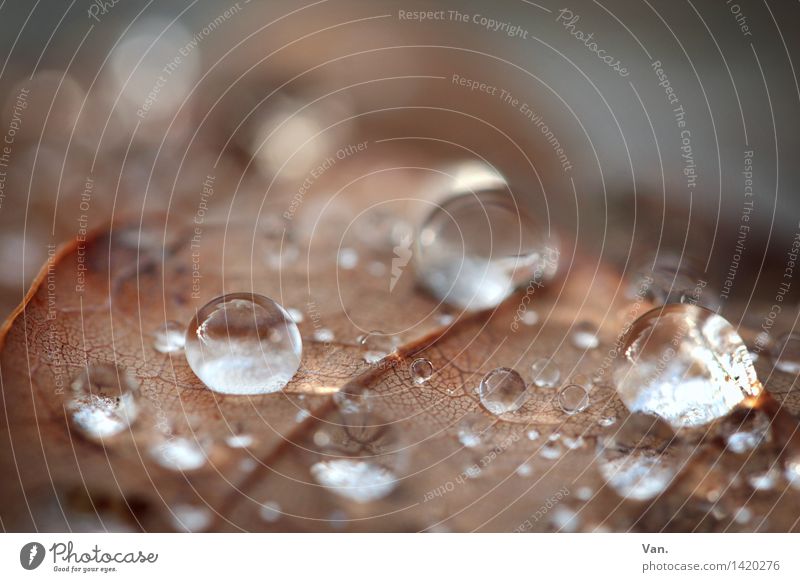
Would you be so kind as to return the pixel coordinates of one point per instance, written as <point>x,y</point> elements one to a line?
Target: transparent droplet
<point>473,429</point>
<point>503,390</point>
<point>169,338</point>
<point>532,434</point>
<point>607,421</point>
<point>323,335</point>
<point>243,343</point>
<point>239,441</point>
<point>362,459</point>
<point>270,511</point>
<point>584,336</point>
<point>378,345</point>
<point>573,398</point>
<point>476,249</point>
<point>524,470</point>
<point>685,364</point>
<point>103,401</point>
<point>179,454</point>
<point>640,458</point>
<point>421,370</point>
<point>786,353</point>
<point>584,493</point>
<point>565,519</point>
<point>191,518</point>
<point>545,373</point>
<point>742,515</point>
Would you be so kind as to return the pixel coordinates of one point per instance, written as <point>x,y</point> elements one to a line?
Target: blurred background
<point>631,126</point>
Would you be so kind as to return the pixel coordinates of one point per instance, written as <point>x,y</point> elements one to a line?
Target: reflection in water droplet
<point>573,398</point>
<point>786,353</point>
<point>640,458</point>
<point>243,343</point>
<point>584,336</point>
<point>191,518</point>
<point>179,454</point>
<point>102,401</point>
<point>475,249</point>
<point>421,370</point>
<point>270,511</point>
<point>685,364</point>
<point>169,338</point>
<point>545,373</point>
<point>503,390</point>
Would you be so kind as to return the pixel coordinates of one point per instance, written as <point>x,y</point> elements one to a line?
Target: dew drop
<point>791,471</point>
<point>502,390</point>
<point>786,354</point>
<point>103,401</point>
<point>239,441</point>
<point>530,317</point>
<point>472,429</point>
<point>742,515</point>
<point>359,481</point>
<point>270,511</point>
<point>169,338</point>
<point>565,519</point>
<point>744,431</point>
<point>323,335</point>
<point>524,470</point>
<point>348,258</point>
<point>763,480</point>
<point>573,398</point>
<point>551,451</point>
<point>584,493</point>
<point>640,458</point>
<point>179,454</point>
<point>545,373</point>
<point>421,370</point>
<point>378,345</point>
<point>532,434</point>
<point>685,364</point>
<point>584,336</point>
<point>475,249</point>
<point>191,518</point>
<point>607,421</point>
<point>243,343</point>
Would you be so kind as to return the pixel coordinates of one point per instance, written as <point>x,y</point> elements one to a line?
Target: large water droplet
<point>421,370</point>
<point>685,364</point>
<point>243,343</point>
<point>503,390</point>
<point>573,398</point>
<point>545,373</point>
<point>640,458</point>
<point>169,338</point>
<point>475,249</point>
<point>102,401</point>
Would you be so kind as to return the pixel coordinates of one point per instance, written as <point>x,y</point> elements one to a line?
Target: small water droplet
<point>301,415</point>
<point>243,343</point>
<point>530,317</point>
<point>673,279</point>
<point>684,363</point>
<point>584,493</point>
<point>323,335</point>
<point>378,343</point>
<point>191,518</point>
<point>348,258</point>
<point>170,337</point>
<point>607,421</point>
<point>640,459</point>
<point>545,373</point>
<point>503,390</point>
<point>475,249</point>
<point>791,471</point>
<point>532,434</point>
<point>445,319</point>
<point>573,398</point>
<point>524,470</point>
<point>239,441</point>
<point>763,480</point>
<point>744,430</point>
<point>421,370</point>
<point>574,443</point>
<point>472,429</point>
<point>565,519</point>
<point>551,451</point>
<point>472,472</point>
<point>103,401</point>
<point>584,336</point>
<point>786,353</point>
<point>270,511</point>
<point>359,481</point>
<point>179,454</point>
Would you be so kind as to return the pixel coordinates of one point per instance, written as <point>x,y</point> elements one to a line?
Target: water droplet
<point>584,493</point>
<point>472,472</point>
<point>348,258</point>
<point>584,336</point>
<point>445,319</point>
<point>243,343</point>
<point>362,458</point>
<point>530,317</point>
<point>169,338</point>
<point>323,335</point>
<point>786,353</point>
<point>239,441</point>
<point>475,249</point>
<point>503,390</point>
<point>270,511</point>
<point>573,398</point>
<point>524,470</point>
<point>378,343</point>
<point>565,519</point>
<point>301,415</point>
<point>421,370</point>
<point>742,515</point>
<point>743,431</point>
<point>574,443</point>
<point>102,401</point>
<point>640,459</point>
<point>551,451</point>
<point>763,480</point>
<point>532,434</point>
<point>472,429</point>
<point>791,471</point>
<point>685,364</point>
<point>545,373</point>
<point>607,421</point>
<point>179,454</point>
<point>191,518</point>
